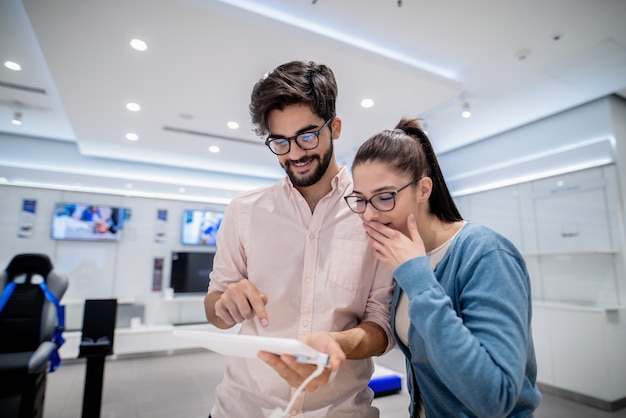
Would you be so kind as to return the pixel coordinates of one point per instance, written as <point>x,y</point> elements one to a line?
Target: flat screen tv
<point>78,221</point>
<point>200,226</point>
<point>190,271</point>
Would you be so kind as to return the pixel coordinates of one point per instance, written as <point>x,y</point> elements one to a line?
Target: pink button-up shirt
<point>319,274</point>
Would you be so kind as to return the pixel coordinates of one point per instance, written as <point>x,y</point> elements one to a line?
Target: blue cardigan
<point>470,342</point>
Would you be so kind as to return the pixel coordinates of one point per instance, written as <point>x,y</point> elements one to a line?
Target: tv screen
<point>200,226</point>
<point>77,221</point>
<point>190,272</point>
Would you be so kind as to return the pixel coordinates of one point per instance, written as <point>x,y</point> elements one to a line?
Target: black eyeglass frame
<point>393,194</point>
<point>295,138</point>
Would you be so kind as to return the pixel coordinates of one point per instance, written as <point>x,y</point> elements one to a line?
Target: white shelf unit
<point>139,340</point>
<point>570,231</point>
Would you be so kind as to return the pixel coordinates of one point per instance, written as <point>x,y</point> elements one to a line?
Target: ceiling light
<point>367,103</point>
<point>181,189</point>
<point>233,125</point>
<point>138,44</point>
<point>214,149</point>
<point>522,54</point>
<point>557,36</point>
<point>12,65</point>
<point>134,107</point>
<point>132,137</point>
<point>17,118</point>
<point>466,113</point>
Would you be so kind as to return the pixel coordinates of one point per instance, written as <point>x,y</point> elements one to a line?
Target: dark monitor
<point>190,271</point>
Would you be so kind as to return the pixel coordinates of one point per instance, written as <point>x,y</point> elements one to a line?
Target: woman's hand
<point>392,247</point>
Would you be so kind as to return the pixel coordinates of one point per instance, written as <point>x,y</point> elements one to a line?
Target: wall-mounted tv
<point>190,271</point>
<point>78,221</point>
<point>200,226</point>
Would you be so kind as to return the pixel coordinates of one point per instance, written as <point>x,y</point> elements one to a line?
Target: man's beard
<point>317,174</point>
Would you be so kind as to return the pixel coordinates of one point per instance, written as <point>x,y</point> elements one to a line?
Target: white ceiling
<point>418,59</point>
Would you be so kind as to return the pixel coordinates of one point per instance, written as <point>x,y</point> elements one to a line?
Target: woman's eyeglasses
<point>383,202</point>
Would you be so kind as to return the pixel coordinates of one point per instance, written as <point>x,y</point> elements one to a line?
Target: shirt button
<point>305,323</point>
<point>311,236</point>
<point>308,280</point>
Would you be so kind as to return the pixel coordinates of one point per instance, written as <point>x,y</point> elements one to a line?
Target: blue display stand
<point>385,382</point>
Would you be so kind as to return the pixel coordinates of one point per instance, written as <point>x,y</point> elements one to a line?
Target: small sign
<point>157,275</point>
<point>27,218</point>
<point>161,226</point>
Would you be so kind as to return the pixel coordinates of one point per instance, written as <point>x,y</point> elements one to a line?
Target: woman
<point>461,312</point>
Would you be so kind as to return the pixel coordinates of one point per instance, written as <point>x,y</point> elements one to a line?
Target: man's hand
<point>295,373</point>
<point>242,300</point>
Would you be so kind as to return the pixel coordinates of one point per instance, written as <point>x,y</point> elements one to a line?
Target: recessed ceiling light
<point>465,110</point>
<point>12,65</point>
<point>138,44</point>
<point>522,54</point>
<point>134,107</point>
<point>181,189</point>
<point>129,185</point>
<point>17,119</point>
<point>367,103</point>
<point>233,125</point>
<point>132,136</point>
<point>214,149</point>
<point>557,36</point>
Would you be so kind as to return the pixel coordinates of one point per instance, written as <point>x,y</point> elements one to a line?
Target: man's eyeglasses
<point>306,141</point>
<point>382,202</point>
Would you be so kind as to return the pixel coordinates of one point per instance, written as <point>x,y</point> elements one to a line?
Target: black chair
<point>30,332</point>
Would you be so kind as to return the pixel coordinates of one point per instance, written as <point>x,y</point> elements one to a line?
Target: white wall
<point>560,200</point>
<point>121,269</point>
<point>578,138</point>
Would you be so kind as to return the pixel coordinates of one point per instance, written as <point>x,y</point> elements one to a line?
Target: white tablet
<point>249,345</point>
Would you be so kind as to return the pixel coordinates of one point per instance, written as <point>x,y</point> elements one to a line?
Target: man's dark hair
<point>294,83</point>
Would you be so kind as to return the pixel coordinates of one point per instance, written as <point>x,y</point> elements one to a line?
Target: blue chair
<point>31,323</point>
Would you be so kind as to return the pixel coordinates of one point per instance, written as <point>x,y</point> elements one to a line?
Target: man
<point>293,262</point>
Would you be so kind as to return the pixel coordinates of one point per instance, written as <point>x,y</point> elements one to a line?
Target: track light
<point>17,118</point>
<point>466,113</point>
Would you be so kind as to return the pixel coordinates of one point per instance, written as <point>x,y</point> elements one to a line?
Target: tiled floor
<point>181,386</point>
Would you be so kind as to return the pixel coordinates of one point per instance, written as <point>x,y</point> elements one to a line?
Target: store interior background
<point>542,158</point>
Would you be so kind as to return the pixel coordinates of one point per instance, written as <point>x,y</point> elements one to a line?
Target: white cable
<point>318,371</point>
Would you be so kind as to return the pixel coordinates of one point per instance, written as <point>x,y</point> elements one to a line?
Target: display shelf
<point>120,301</point>
<point>573,252</point>
<point>137,340</point>
<point>578,306</point>
<point>184,299</point>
